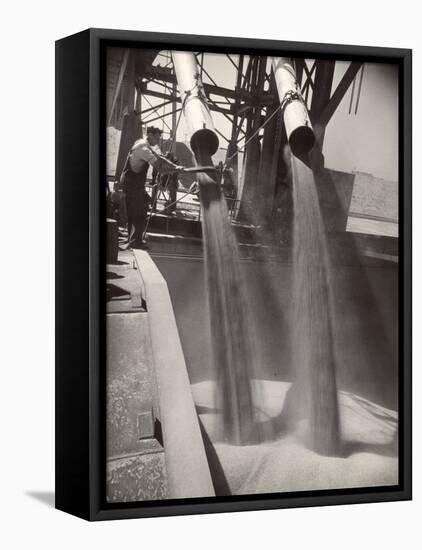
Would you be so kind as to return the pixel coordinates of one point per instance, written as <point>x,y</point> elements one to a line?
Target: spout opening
<point>301,140</point>
<point>204,141</point>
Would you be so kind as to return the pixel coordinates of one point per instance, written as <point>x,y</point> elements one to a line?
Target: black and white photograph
<point>252,274</point>
<point>210,232</point>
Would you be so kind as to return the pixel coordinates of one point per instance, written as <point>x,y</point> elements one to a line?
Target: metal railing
<point>192,206</point>
<point>188,205</point>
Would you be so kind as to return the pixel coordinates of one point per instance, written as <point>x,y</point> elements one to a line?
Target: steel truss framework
<point>246,106</point>
<point>243,105</point>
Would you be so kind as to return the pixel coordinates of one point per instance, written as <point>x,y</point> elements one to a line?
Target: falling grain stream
<point>315,391</point>
<point>312,338</point>
<point>231,336</point>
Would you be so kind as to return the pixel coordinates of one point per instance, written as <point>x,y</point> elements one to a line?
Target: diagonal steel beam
<point>338,94</point>
<point>119,83</point>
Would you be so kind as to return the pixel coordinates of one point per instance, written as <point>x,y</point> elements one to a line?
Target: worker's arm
<point>142,151</point>
<point>164,166</point>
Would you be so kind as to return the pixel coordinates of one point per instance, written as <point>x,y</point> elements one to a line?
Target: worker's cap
<point>154,130</point>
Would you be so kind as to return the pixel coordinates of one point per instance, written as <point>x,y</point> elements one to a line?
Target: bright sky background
<point>368,141</point>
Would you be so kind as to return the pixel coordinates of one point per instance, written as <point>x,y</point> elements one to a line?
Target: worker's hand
<point>180,168</point>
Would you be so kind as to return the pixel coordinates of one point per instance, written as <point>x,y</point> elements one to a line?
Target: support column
<point>271,151</point>
<point>174,108</point>
<point>251,161</point>
<point>131,126</point>
<point>323,83</point>
<point>232,148</point>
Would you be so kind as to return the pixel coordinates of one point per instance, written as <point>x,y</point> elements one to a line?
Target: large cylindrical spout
<point>203,137</point>
<point>295,114</point>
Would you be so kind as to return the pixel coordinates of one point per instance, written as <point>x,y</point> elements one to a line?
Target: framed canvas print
<point>233,274</point>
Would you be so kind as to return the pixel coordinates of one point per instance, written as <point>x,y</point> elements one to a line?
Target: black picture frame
<point>80,257</point>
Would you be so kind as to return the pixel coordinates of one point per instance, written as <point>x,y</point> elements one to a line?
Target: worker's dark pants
<point>172,188</point>
<point>136,205</point>
<point>154,196</point>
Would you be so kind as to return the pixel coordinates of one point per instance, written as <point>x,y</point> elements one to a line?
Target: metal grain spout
<point>203,137</point>
<point>295,114</point>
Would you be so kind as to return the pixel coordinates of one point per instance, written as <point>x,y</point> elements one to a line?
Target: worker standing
<point>143,153</point>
